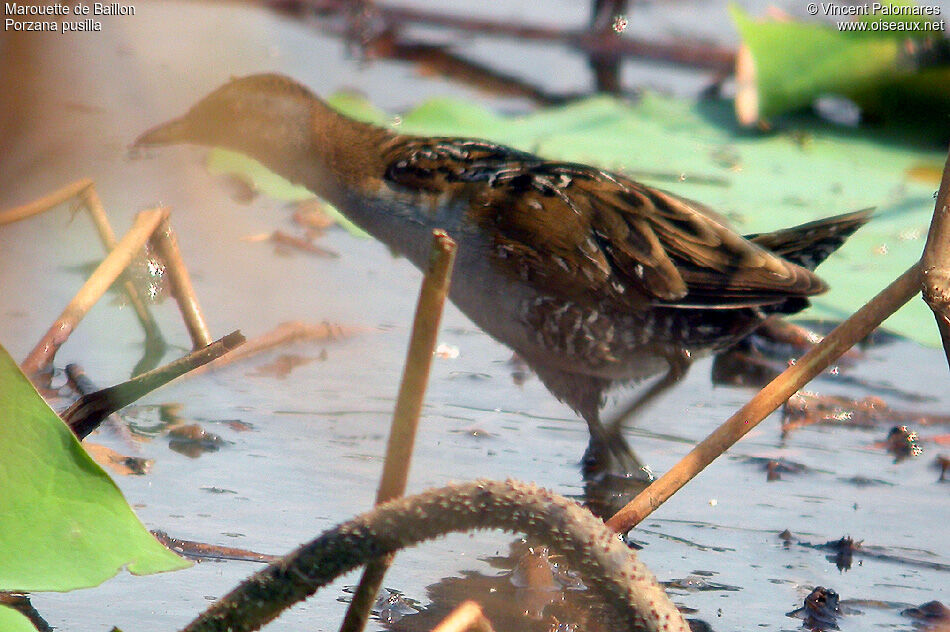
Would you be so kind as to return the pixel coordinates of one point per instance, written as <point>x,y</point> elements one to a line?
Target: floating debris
<point>217,490</point>
<point>776,467</point>
<point>903,443</point>
<point>239,187</point>
<point>282,365</point>
<point>520,372</point>
<point>203,551</point>
<point>943,462</point>
<point>391,606</point>
<point>932,613</point>
<point>237,425</point>
<point>844,549</point>
<point>192,440</point>
<point>476,432</point>
<point>446,351</point>
<point>311,214</point>
<point>820,611</point>
<point>859,549</point>
<point>863,481</point>
<point>118,463</point>
<point>805,409</point>
<point>698,583</point>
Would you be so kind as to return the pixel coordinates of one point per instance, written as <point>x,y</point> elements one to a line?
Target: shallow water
<point>312,456</point>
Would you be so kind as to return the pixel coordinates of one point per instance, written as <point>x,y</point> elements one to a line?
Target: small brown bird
<point>591,277</point>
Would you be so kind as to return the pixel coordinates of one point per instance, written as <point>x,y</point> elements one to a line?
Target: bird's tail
<point>809,244</point>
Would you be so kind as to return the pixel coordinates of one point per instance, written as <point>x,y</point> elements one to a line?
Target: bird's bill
<point>175,131</point>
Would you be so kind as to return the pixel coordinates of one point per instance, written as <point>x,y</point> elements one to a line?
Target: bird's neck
<point>351,155</point>
<point>342,161</point>
<point>313,145</point>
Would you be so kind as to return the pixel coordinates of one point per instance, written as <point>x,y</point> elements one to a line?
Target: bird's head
<point>258,115</point>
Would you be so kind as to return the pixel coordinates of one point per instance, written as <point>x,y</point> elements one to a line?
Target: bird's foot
<point>613,475</point>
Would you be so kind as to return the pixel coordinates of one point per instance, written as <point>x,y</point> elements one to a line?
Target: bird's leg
<point>608,453</point>
<point>679,362</point>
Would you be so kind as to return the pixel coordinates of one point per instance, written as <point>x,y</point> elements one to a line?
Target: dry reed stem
<point>100,220</point>
<point>166,244</point>
<point>402,434</point>
<point>146,222</point>
<point>282,334</point>
<point>85,190</point>
<point>776,392</point>
<point>467,617</point>
<point>45,203</point>
<point>935,264</point>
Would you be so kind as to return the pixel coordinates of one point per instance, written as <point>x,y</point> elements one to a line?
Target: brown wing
<point>581,233</point>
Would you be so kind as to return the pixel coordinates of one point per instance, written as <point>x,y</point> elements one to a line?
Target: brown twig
<point>607,566</point>
<point>204,551</point>
<point>108,271</point>
<point>166,244</point>
<point>153,336</point>
<point>468,617</point>
<point>606,69</point>
<point>85,190</point>
<point>45,203</point>
<point>436,59</point>
<point>281,238</point>
<point>696,55</point>
<point>88,411</point>
<point>776,392</point>
<point>402,434</point>
<point>935,265</point>
<point>79,380</point>
<point>805,409</point>
<point>379,32</point>
<point>284,333</point>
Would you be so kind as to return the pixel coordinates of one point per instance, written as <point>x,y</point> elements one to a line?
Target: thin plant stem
<point>166,244</point>
<point>773,395</point>
<point>85,191</point>
<point>402,434</point>
<point>45,203</point>
<point>606,69</point>
<point>146,222</point>
<point>935,264</point>
<point>93,205</point>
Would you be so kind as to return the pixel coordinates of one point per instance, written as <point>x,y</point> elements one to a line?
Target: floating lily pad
<point>13,621</point>
<point>795,62</point>
<point>63,522</point>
